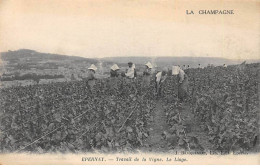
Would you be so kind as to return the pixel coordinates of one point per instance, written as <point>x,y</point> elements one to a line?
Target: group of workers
<point>131,74</point>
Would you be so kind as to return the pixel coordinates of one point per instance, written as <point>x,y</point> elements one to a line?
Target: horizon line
<point>129,56</point>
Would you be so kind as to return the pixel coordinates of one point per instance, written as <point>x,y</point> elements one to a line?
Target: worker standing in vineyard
<point>147,74</point>
<point>72,77</point>
<point>135,73</point>
<point>183,85</point>
<point>91,79</point>
<point>130,72</point>
<point>159,79</point>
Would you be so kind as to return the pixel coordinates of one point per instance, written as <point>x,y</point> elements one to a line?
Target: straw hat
<point>149,65</point>
<point>93,67</point>
<point>115,67</point>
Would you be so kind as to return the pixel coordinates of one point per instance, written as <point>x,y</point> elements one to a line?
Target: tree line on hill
<point>32,76</point>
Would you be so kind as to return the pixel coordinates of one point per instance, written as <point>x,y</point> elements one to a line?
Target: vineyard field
<point>119,115</point>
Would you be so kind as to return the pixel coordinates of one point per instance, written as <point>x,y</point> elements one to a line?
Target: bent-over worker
<point>183,85</point>
<point>114,71</point>
<point>159,79</point>
<point>114,75</point>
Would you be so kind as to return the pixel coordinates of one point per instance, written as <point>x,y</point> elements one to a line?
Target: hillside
<point>26,59</point>
<point>28,66</point>
<point>24,66</point>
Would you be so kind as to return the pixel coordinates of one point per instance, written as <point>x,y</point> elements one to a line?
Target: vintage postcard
<point>168,82</point>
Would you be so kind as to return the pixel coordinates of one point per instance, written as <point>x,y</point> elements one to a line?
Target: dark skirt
<point>146,80</point>
<point>183,89</point>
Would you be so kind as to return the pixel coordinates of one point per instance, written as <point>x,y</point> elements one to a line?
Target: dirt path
<point>159,125</point>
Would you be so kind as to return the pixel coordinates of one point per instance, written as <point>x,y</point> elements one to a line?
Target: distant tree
<point>37,80</point>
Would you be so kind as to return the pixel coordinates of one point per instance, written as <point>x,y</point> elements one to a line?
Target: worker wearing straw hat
<point>114,71</point>
<point>91,79</point>
<point>114,76</point>
<point>147,74</point>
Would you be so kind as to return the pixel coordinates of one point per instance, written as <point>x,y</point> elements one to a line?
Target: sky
<point>108,28</point>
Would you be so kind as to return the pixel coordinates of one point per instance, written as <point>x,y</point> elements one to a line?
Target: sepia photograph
<point>129,82</point>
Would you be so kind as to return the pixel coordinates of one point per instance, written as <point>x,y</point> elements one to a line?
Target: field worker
<point>224,65</point>
<point>114,71</point>
<point>113,76</point>
<point>188,67</point>
<point>159,79</point>
<point>91,79</point>
<point>147,74</point>
<point>72,77</point>
<point>130,71</point>
<point>183,85</point>
<point>199,66</point>
<point>135,73</point>
<point>184,67</point>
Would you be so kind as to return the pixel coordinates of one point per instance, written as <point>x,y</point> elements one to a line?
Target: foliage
<point>114,116</point>
<point>81,119</point>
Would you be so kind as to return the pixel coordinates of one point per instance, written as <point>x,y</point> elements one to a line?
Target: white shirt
<point>175,70</point>
<point>130,72</point>
<point>159,77</point>
<point>181,75</point>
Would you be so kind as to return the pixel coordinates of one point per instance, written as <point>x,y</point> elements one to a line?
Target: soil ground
<point>159,125</point>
